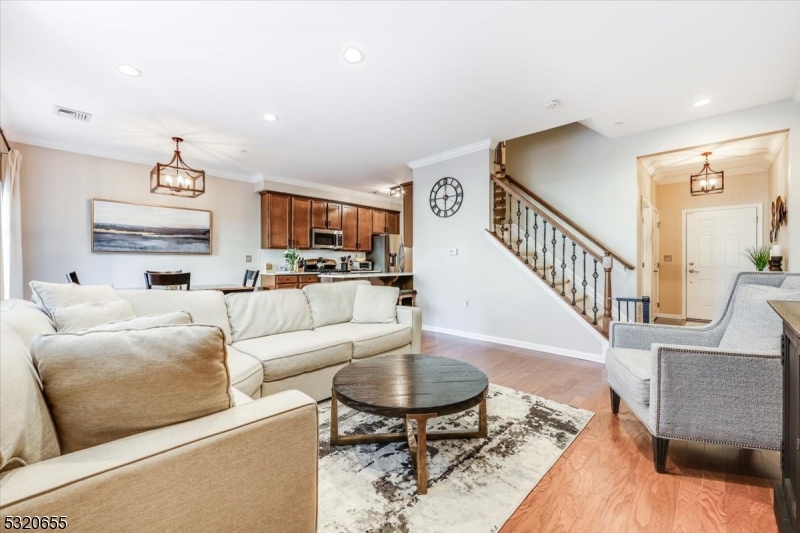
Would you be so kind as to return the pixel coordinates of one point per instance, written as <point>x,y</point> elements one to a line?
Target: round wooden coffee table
<point>415,388</point>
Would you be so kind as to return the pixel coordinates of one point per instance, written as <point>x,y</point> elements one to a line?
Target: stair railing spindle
<point>584,283</point>
<point>595,309</point>
<point>535,238</point>
<point>526,234</point>
<point>519,224</point>
<point>544,249</point>
<point>510,221</point>
<point>563,263</point>
<point>553,266</point>
<point>573,290</point>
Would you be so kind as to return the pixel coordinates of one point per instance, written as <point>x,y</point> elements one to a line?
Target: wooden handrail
<point>522,190</point>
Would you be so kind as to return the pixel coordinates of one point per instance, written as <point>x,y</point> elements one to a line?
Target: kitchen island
<point>402,280</point>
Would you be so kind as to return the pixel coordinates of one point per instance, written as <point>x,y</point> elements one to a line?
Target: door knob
<point>693,271</point>
<point>691,264</point>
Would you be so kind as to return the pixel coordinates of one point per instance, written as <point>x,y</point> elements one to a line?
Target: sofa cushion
<point>791,282</point>
<point>261,313</point>
<point>27,434</point>
<point>177,318</point>
<point>206,307</point>
<point>754,325</point>
<point>54,295</point>
<point>375,305</point>
<point>332,303</point>
<point>105,385</point>
<point>631,368</point>
<point>246,371</point>
<point>90,314</point>
<point>290,354</point>
<point>27,319</point>
<point>240,398</point>
<point>371,339</point>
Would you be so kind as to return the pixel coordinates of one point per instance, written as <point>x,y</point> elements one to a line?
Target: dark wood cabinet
<point>408,214</point>
<point>365,226</point>
<point>301,223</point>
<point>378,221</point>
<point>787,492</point>
<point>326,214</point>
<point>349,228</point>
<point>392,222</point>
<point>278,220</point>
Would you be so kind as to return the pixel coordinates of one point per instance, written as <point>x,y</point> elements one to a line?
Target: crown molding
<point>260,179</point>
<point>116,156</point>
<point>452,154</point>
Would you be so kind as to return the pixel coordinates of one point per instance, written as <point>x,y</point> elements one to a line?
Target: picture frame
<point>126,227</point>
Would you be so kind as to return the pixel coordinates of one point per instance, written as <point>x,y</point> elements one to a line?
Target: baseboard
<point>586,356</point>
<point>667,315</point>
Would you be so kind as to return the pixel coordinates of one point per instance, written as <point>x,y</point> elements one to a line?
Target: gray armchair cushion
<point>791,282</point>
<point>754,325</point>
<point>632,370</point>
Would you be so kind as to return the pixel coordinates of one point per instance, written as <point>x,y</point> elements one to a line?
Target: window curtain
<point>11,227</point>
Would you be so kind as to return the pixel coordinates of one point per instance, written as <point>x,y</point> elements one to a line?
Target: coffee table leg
<point>418,446</point>
<point>483,422</point>
<point>334,419</point>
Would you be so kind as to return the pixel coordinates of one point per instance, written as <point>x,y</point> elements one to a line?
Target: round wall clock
<point>446,197</point>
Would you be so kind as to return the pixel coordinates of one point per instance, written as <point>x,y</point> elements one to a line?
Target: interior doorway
<point>715,239</point>
<point>650,255</point>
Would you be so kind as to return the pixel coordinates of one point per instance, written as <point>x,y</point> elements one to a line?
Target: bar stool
<point>407,295</point>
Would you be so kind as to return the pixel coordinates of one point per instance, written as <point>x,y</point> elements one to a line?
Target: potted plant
<point>291,255</point>
<point>759,256</point>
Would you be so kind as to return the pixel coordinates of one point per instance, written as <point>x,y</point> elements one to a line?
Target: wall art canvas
<point>137,228</point>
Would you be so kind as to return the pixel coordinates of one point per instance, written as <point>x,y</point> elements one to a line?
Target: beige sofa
<point>242,469</point>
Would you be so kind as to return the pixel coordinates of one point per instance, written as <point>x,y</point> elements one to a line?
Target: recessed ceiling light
<point>129,70</point>
<point>243,151</point>
<point>552,104</point>
<point>619,123</point>
<point>702,102</point>
<point>269,117</point>
<point>353,55</point>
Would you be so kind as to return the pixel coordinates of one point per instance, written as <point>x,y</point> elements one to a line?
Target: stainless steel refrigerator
<point>386,253</point>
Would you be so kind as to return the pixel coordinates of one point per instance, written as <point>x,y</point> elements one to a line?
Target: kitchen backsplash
<point>276,260</point>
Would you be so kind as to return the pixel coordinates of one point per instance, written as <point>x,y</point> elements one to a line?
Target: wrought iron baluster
<point>584,283</point>
<point>535,238</point>
<point>553,266</point>
<point>619,313</point>
<point>544,249</point>
<point>526,234</point>
<point>573,290</point>
<point>494,208</point>
<point>563,263</point>
<point>502,219</point>
<point>510,221</point>
<point>518,225</point>
<point>595,309</point>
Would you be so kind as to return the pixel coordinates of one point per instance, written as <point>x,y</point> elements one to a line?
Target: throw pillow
<point>375,305</point>
<point>791,282</point>
<point>262,313</point>
<point>53,295</point>
<point>27,319</point>
<point>754,325</point>
<point>177,318</point>
<point>105,385</point>
<point>332,303</point>
<point>88,315</point>
<point>27,434</point>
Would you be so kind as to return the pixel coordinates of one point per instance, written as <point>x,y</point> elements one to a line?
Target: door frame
<point>685,212</point>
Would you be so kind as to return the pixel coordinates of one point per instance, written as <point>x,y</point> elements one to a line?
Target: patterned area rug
<point>474,485</point>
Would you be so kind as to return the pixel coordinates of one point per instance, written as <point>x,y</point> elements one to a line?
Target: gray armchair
<point>681,385</point>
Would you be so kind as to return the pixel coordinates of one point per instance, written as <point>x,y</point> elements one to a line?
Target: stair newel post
<point>544,249</point>
<point>526,234</point>
<point>519,224</point>
<point>608,264</point>
<point>510,221</point>
<point>535,240</point>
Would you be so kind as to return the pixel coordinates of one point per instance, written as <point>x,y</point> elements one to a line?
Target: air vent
<point>74,114</point>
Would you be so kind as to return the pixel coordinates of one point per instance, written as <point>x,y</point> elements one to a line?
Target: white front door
<point>715,244</point>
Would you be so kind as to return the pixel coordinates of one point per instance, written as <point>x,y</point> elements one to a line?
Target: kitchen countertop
<point>288,273</point>
<point>366,274</point>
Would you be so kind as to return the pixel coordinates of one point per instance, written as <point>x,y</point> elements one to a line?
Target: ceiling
<point>734,157</point>
<point>437,76</point>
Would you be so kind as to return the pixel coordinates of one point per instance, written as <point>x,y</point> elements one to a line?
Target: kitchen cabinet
<point>392,222</point>
<point>349,228</point>
<point>408,214</point>
<point>378,221</point>
<point>277,216</point>
<point>285,280</point>
<point>301,223</point>
<point>326,215</point>
<point>364,232</point>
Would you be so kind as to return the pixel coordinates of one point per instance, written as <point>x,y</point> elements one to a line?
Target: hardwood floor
<point>605,481</point>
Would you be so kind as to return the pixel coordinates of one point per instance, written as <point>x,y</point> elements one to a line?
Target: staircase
<point>555,249</point>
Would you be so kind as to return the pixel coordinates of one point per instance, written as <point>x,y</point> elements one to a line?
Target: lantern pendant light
<point>707,181</point>
<point>176,177</point>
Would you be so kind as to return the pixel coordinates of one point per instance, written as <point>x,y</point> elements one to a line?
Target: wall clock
<point>446,197</point>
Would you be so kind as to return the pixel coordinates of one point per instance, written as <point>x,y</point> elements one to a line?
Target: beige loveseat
<point>246,468</point>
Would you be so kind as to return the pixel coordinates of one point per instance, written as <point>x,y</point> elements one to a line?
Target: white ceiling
<point>734,157</point>
<point>437,76</point>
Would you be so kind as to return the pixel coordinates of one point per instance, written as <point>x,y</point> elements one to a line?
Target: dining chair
<point>250,275</point>
<point>72,277</point>
<point>167,279</point>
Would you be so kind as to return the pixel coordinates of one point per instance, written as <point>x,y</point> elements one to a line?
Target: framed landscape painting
<point>138,228</point>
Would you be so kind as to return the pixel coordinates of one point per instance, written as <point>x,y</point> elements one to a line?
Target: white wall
<point>56,190</point>
<point>593,179</point>
<point>503,301</point>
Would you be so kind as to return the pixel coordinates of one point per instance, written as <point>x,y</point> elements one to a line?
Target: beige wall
<point>57,187</point>
<point>672,199</point>
<point>778,185</point>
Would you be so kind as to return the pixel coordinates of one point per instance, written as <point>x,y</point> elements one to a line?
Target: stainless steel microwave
<point>327,239</point>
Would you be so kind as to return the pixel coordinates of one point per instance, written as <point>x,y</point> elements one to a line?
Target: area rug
<point>474,485</point>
